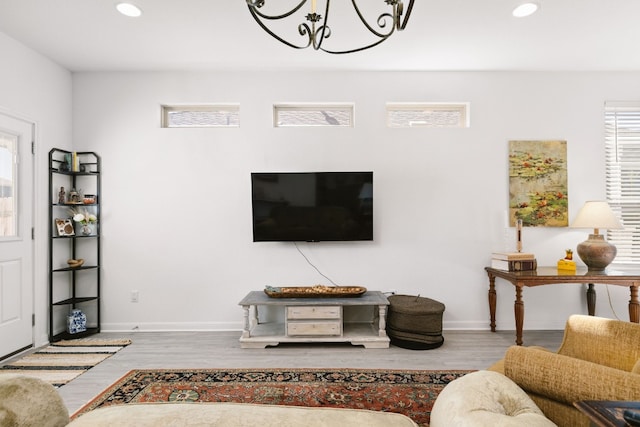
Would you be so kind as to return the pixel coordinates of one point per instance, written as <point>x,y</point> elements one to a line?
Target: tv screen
<point>312,206</point>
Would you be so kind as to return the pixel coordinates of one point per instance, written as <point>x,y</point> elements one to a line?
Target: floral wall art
<point>538,183</point>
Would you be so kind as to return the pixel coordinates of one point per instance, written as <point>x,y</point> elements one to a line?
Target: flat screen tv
<point>312,206</point>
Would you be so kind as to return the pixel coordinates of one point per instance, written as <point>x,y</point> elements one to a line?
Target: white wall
<point>37,90</point>
<point>176,203</point>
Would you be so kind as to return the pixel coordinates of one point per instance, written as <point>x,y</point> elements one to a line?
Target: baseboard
<point>508,325</point>
<point>173,326</point>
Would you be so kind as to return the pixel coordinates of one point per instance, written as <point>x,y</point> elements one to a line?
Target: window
<point>313,115</point>
<point>8,187</point>
<point>429,115</point>
<point>622,145</point>
<point>200,116</point>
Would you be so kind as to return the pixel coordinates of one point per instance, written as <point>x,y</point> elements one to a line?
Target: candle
<point>519,241</point>
<point>313,6</point>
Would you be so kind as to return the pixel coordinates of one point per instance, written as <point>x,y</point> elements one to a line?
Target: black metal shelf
<point>84,267</point>
<point>75,237</point>
<point>74,173</point>
<point>76,300</point>
<point>68,336</point>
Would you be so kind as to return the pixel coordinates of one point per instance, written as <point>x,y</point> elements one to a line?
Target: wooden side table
<point>606,413</point>
<point>550,276</point>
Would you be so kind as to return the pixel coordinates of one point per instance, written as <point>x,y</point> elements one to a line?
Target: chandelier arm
<point>324,29</point>
<point>406,16</point>
<point>381,22</point>
<point>359,49</point>
<point>275,36</point>
<point>254,5</point>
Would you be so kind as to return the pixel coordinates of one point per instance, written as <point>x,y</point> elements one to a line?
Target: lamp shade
<point>596,214</point>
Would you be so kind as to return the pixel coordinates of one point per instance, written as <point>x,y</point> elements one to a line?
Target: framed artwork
<point>65,227</point>
<point>538,192</point>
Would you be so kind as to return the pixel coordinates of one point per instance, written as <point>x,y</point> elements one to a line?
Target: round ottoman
<point>415,322</point>
<point>486,398</point>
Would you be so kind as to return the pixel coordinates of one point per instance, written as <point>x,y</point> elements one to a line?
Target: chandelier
<point>316,28</point>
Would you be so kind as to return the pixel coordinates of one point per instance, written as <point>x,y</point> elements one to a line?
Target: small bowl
<point>74,263</point>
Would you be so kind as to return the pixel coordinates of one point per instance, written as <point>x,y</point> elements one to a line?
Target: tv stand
<point>314,320</point>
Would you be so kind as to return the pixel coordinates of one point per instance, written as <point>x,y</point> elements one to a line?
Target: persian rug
<point>409,392</point>
<point>63,361</point>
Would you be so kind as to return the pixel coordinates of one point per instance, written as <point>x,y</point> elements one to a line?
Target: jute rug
<point>63,361</point>
<point>409,392</point>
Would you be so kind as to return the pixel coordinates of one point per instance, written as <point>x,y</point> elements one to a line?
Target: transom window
<point>313,115</point>
<point>429,115</point>
<point>200,116</point>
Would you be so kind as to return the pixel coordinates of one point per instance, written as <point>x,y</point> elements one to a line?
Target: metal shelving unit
<point>73,287</point>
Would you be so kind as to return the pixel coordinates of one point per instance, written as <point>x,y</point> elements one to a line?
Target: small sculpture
<point>73,196</point>
<point>61,195</point>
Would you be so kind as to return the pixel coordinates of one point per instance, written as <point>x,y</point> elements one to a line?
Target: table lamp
<point>596,252</point>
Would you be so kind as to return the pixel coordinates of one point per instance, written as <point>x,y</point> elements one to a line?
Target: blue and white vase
<point>77,321</point>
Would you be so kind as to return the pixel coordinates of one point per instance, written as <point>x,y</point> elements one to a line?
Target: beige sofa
<point>29,402</point>
<point>599,359</point>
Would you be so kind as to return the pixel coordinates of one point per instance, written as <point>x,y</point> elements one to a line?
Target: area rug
<point>409,392</point>
<point>63,361</point>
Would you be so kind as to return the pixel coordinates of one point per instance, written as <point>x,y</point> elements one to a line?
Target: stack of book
<point>513,261</point>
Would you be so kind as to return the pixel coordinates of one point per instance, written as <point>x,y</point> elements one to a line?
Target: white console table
<point>314,320</point>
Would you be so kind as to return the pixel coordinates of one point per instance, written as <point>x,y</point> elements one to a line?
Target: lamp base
<point>596,252</point>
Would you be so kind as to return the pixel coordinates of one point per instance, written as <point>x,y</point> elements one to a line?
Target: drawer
<point>309,329</point>
<point>314,312</point>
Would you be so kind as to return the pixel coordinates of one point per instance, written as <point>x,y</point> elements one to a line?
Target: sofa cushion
<point>486,398</point>
<point>234,415</point>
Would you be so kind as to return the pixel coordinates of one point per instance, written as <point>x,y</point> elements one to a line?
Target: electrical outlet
<point>135,296</point>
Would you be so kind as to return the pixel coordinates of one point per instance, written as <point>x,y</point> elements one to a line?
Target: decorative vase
<point>86,230</point>
<point>77,321</point>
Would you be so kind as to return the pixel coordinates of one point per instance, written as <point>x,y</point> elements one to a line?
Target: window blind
<point>622,150</point>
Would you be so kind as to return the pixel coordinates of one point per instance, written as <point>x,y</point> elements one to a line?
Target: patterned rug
<point>409,392</point>
<point>63,361</point>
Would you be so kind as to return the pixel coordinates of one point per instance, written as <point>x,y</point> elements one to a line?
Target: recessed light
<point>525,9</point>
<point>129,9</point>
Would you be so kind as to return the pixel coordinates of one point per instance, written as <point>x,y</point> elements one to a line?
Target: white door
<point>16,243</point>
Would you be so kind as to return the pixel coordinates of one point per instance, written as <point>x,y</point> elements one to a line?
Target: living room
<point>176,203</point>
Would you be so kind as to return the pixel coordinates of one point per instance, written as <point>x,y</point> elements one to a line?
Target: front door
<point>16,243</point>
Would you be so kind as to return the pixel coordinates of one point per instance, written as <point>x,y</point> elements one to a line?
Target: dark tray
<point>318,291</point>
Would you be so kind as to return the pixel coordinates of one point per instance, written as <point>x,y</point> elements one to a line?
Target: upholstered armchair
<point>599,359</point>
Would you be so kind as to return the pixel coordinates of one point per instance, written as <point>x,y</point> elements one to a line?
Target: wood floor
<point>461,350</point>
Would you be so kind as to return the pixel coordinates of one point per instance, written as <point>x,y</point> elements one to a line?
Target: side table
<point>606,413</point>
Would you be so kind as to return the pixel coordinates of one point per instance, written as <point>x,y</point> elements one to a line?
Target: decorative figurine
<point>61,195</point>
<point>568,254</point>
<point>73,196</point>
<point>567,265</point>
